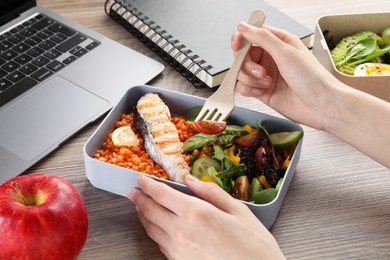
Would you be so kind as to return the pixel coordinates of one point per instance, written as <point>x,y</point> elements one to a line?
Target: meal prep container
<point>119,180</point>
<point>340,26</point>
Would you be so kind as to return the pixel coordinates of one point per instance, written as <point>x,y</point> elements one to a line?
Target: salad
<point>245,161</point>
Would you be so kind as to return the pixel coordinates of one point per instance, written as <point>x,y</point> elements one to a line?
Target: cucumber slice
<point>202,164</point>
<point>285,139</point>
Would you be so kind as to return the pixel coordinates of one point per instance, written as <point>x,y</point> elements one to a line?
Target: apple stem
<point>20,196</point>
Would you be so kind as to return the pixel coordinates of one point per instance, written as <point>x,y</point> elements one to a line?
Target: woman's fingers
<point>148,206</point>
<point>163,195</point>
<point>155,232</point>
<point>215,195</point>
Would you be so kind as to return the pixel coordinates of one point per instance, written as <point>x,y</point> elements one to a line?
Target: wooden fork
<point>220,104</point>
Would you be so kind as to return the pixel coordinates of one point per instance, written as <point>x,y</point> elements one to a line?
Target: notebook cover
<point>205,26</point>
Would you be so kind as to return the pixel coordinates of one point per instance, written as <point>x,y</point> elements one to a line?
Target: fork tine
<point>205,114</point>
<point>213,113</point>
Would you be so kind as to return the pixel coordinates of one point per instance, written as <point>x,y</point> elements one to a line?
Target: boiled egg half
<point>372,69</point>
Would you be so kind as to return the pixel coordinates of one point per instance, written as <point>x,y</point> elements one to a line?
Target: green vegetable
<point>218,152</point>
<point>360,50</point>
<point>193,113</point>
<point>224,138</point>
<point>278,185</point>
<point>233,178</point>
<point>234,170</point>
<point>212,172</point>
<point>202,164</point>
<point>386,36</point>
<point>285,139</point>
<point>344,47</point>
<point>374,55</point>
<point>264,196</point>
<point>235,129</point>
<point>255,187</point>
<point>197,141</point>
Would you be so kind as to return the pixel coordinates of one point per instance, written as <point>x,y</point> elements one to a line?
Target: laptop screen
<point>10,9</point>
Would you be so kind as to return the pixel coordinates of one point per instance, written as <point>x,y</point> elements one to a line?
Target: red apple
<point>41,217</point>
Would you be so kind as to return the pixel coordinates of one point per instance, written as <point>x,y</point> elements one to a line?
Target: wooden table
<point>338,204</point>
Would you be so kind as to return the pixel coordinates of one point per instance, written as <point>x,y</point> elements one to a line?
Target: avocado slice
<point>341,50</point>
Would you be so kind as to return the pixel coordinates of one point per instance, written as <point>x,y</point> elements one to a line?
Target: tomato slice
<point>249,139</point>
<point>210,127</point>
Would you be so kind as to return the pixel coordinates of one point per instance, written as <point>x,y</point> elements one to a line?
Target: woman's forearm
<point>363,121</point>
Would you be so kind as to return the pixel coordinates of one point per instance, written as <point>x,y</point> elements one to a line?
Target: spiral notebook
<point>194,36</point>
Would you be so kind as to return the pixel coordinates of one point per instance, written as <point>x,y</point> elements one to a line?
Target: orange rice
<point>135,157</point>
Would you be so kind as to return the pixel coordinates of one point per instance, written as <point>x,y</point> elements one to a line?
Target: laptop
<point>56,77</point>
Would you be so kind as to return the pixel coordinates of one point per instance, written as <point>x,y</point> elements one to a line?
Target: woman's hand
<point>282,73</point>
<point>186,227</point>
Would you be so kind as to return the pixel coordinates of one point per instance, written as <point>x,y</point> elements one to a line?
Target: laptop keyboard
<point>35,50</point>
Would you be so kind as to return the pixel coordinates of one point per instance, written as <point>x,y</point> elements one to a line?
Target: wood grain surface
<point>337,206</point>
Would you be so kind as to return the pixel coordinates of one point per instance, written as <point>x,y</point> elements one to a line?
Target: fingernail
<point>242,27</point>
<point>255,72</point>
<point>130,194</point>
<point>257,92</point>
<point>264,82</point>
<point>191,178</point>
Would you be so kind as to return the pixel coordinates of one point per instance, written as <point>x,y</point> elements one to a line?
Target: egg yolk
<point>377,70</point>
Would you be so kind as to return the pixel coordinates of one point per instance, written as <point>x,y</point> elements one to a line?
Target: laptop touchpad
<point>42,119</point>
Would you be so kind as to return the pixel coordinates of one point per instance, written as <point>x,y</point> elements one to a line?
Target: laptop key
<point>30,22</point>
<point>5,35</point>
<point>4,84</point>
<point>43,23</point>
<point>33,41</point>
<point>80,52</point>
<point>47,45</point>
<point>35,52</point>
<point>16,38</point>
<point>58,38</point>
<point>40,61</point>
<point>9,54</point>
<point>44,34</point>
<point>2,73</point>
<point>15,76</point>
<point>55,65</point>
<point>38,16</point>
<point>52,54</point>
<point>21,47</point>
<point>28,68</point>
<point>28,32</point>
<point>23,59</point>
<point>56,27</point>
<point>71,43</point>
<point>17,29</point>
<point>69,60</point>
<point>75,49</point>
<point>5,45</point>
<point>10,66</point>
<point>92,45</point>
<point>20,87</point>
<point>41,74</point>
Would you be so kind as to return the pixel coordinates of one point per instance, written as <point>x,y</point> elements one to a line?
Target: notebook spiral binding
<point>158,40</point>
